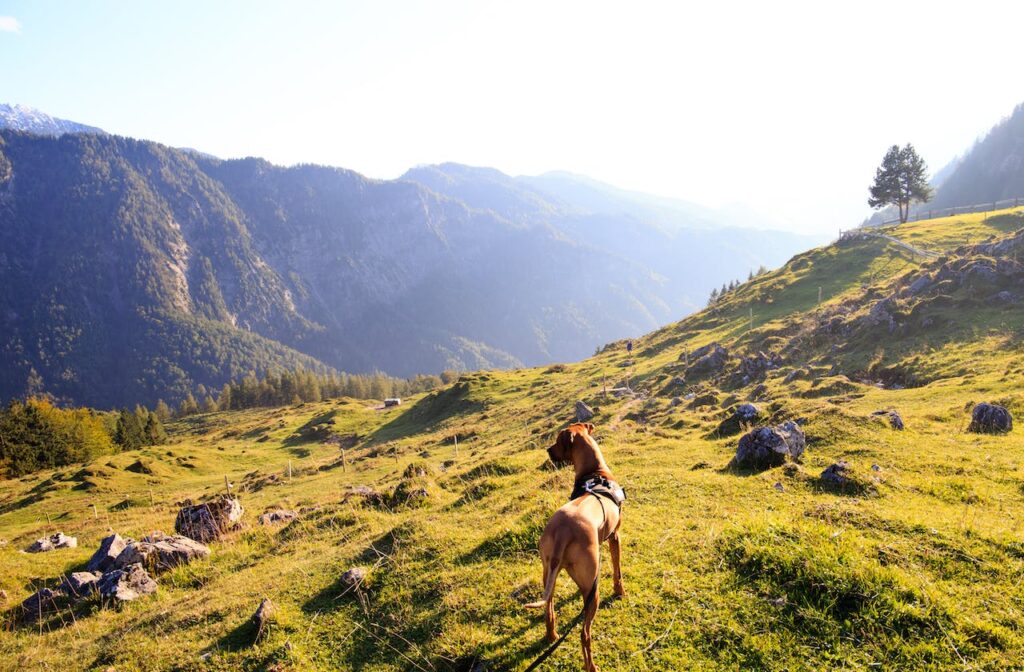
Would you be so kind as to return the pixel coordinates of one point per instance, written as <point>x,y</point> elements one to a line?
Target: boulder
<point>40,603</point>
<point>740,417</point>
<point>919,285</point>
<point>990,419</point>
<point>770,446</point>
<point>793,375</point>
<point>709,359</point>
<point>209,521</point>
<point>895,421</point>
<point>747,412</point>
<point>838,474</point>
<point>105,557</point>
<point>756,366</point>
<point>278,516</point>
<point>264,617</point>
<point>159,552</point>
<point>80,584</point>
<point>52,543</point>
<point>124,585</point>
<point>583,412</point>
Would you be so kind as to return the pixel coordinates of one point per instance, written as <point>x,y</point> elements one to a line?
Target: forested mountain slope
<point>133,271</point>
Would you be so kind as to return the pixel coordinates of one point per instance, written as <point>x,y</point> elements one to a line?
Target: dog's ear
<point>590,428</point>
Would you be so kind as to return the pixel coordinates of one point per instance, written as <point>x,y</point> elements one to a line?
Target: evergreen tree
<point>130,433</point>
<point>163,411</point>
<point>900,180</point>
<point>154,431</point>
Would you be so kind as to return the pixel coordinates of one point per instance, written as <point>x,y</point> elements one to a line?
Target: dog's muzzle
<point>557,462</point>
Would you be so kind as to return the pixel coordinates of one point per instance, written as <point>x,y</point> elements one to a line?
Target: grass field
<point>917,565</point>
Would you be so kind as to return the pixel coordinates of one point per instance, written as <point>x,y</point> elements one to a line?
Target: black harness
<point>599,486</point>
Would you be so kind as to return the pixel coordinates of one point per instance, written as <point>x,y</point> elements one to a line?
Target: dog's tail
<point>554,567</point>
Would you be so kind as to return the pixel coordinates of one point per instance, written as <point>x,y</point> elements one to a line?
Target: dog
<point>572,538</point>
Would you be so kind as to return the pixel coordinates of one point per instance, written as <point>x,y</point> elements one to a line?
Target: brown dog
<point>573,536</point>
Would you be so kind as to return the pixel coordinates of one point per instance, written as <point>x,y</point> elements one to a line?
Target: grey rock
<point>277,516</point>
<point>778,486</point>
<point>124,585</point>
<point>1003,297</point>
<point>676,401</point>
<point>80,584</point>
<point>40,603</point>
<point>770,446</point>
<point>209,521</point>
<point>894,418</point>
<point>105,557</point>
<point>711,358</point>
<point>793,375</point>
<point>747,412</point>
<point>919,285</point>
<point>264,617</point>
<point>990,419</point>
<point>354,577</point>
<point>583,412</point>
<point>838,474</point>
<point>159,552</point>
<point>52,543</point>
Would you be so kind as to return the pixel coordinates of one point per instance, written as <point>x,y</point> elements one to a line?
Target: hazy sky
<point>786,107</point>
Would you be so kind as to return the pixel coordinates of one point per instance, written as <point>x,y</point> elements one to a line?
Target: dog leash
<point>558,642</point>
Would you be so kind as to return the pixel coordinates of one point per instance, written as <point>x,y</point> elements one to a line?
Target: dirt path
<point>613,424</point>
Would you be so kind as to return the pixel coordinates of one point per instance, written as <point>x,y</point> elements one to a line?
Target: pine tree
<point>154,431</point>
<point>129,433</point>
<point>900,180</point>
<point>163,411</point>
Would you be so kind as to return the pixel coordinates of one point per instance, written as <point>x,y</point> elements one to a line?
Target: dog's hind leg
<point>615,548</point>
<point>585,572</point>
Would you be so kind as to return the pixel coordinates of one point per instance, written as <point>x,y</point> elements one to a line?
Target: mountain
<point>133,271</point>
<point>992,170</point>
<point>31,120</point>
<point>691,249</point>
<point>876,548</point>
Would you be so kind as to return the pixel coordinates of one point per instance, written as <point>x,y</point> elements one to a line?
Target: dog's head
<point>561,452</point>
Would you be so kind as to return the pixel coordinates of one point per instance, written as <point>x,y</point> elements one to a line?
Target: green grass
<point>920,570</point>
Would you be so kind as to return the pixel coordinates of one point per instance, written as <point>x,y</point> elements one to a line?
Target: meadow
<point>917,564</point>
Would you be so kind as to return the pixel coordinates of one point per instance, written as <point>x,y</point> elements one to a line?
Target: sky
<point>785,108</point>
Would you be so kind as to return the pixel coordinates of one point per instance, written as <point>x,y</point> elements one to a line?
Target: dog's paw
<point>551,637</point>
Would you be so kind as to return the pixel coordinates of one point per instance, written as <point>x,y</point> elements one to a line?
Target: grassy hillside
<point>916,564</point>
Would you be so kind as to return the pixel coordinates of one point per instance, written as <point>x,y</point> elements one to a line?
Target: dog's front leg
<point>614,547</point>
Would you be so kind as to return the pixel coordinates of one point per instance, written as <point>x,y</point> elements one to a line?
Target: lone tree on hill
<point>900,180</point>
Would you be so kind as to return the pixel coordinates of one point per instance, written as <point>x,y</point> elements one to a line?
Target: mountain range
<point>133,271</point>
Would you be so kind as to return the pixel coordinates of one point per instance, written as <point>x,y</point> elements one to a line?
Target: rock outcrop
<point>127,584</point>
<point>209,521</point>
<point>990,419</point>
<point>52,543</point>
<point>160,552</point>
<point>766,447</point>
<point>105,557</point>
<point>277,516</point>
